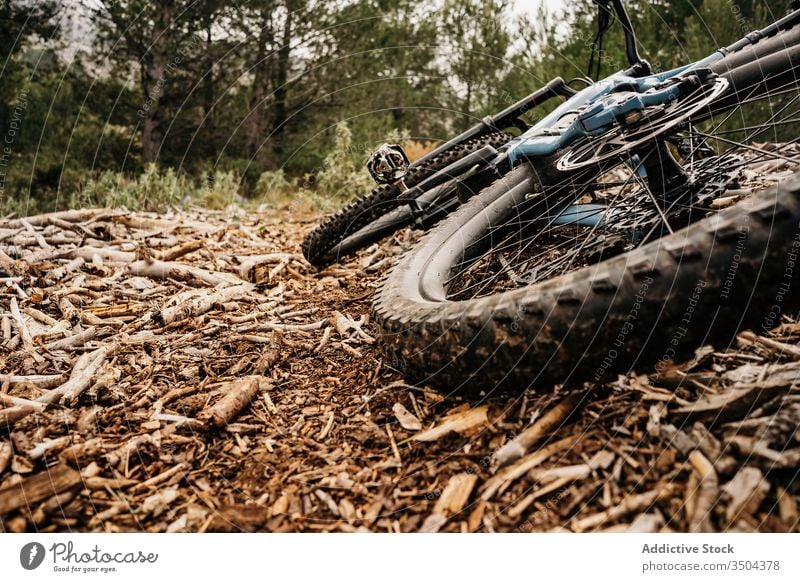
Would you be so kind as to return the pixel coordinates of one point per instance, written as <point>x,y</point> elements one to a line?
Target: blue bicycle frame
<point>596,109</point>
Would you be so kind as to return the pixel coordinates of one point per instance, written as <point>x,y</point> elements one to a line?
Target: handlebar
<point>509,117</point>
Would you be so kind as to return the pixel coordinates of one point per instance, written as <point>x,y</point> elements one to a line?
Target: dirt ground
<point>190,372</point>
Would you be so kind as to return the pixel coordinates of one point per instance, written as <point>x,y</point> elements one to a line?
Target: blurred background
<point>148,103</point>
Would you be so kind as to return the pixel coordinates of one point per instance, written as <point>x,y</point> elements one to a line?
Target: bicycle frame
<point>596,109</point>
<point>587,113</point>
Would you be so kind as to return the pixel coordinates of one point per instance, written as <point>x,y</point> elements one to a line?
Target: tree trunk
<point>254,131</point>
<point>153,86</point>
<point>281,78</point>
<point>208,86</point>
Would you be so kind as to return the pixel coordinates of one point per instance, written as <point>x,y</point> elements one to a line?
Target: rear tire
<point>655,303</point>
<point>319,242</point>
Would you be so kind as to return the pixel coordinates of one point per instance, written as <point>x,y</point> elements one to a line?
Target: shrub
<point>274,190</point>
<point>341,177</point>
<point>219,190</point>
<point>152,190</point>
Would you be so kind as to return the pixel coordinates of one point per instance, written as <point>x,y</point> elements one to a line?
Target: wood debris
<point>460,421</point>
<point>238,394</point>
<point>548,423</point>
<point>452,501</point>
<point>190,372</point>
<point>38,487</point>
<point>406,419</point>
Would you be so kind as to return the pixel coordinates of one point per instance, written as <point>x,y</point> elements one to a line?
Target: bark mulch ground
<point>190,372</point>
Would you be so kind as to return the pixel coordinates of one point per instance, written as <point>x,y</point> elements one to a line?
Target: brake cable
<point>604,23</point>
<point>587,82</point>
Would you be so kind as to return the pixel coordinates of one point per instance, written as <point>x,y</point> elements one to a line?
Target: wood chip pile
<point>190,372</point>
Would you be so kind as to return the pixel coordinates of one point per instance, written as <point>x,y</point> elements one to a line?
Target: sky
<point>531,6</point>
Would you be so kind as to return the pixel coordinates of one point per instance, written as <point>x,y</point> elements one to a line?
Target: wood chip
<point>550,422</point>
<point>735,402</point>
<point>646,523</point>
<point>238,396</point>
<point>745,492</point>
<point>629,504</point>
<point>507,475</point>
<point>455,494</point>
<point>406,419</point>
<point>6,452</point>
<point>157,503</point>
<point>705,496</point>
<point>460,422</point>
<point>38,487</point>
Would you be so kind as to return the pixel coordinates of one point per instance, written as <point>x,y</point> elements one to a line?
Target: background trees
<point>225,91</point>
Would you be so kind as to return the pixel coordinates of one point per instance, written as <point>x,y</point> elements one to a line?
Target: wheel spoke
<point>533,245</point>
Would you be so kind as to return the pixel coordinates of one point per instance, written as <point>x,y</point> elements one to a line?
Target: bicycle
<point>420,192</point>
<point>619,231</point>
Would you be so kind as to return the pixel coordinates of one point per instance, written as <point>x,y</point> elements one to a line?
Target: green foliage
<point>219,190</point>
<point>476,39</point>
<point>260,90</point>
<point>275,190</point>
<point>341,177</point>
<point>156,190</point>
<point>152,190</point>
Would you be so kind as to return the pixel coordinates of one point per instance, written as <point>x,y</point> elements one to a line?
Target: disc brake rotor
<point>619,140</point>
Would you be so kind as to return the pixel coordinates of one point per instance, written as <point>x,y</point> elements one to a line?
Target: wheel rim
<point>527,246</point>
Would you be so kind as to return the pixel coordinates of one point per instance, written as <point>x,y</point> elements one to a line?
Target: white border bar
<point>406,557</point>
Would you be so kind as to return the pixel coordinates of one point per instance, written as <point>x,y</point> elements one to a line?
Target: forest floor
<point>190,372</point>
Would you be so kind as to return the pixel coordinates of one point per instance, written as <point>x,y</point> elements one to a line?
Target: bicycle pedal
<point>388,165</point>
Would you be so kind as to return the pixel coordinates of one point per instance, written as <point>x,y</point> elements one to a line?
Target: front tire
<point>654,304</point>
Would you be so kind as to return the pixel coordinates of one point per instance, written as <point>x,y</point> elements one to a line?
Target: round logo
<point>31,555</point>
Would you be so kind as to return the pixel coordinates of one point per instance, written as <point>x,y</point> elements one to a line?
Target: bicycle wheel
<point>319,246</point>
<point>522,288</point>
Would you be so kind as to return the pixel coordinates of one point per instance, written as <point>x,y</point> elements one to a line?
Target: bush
<point>152,190</point>
<point>219,190</point>
<point>274,190</point>
<point>341,178</point>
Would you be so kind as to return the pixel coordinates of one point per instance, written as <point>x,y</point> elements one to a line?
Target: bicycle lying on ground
<point>626,228</point>
<point>422,192</point>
